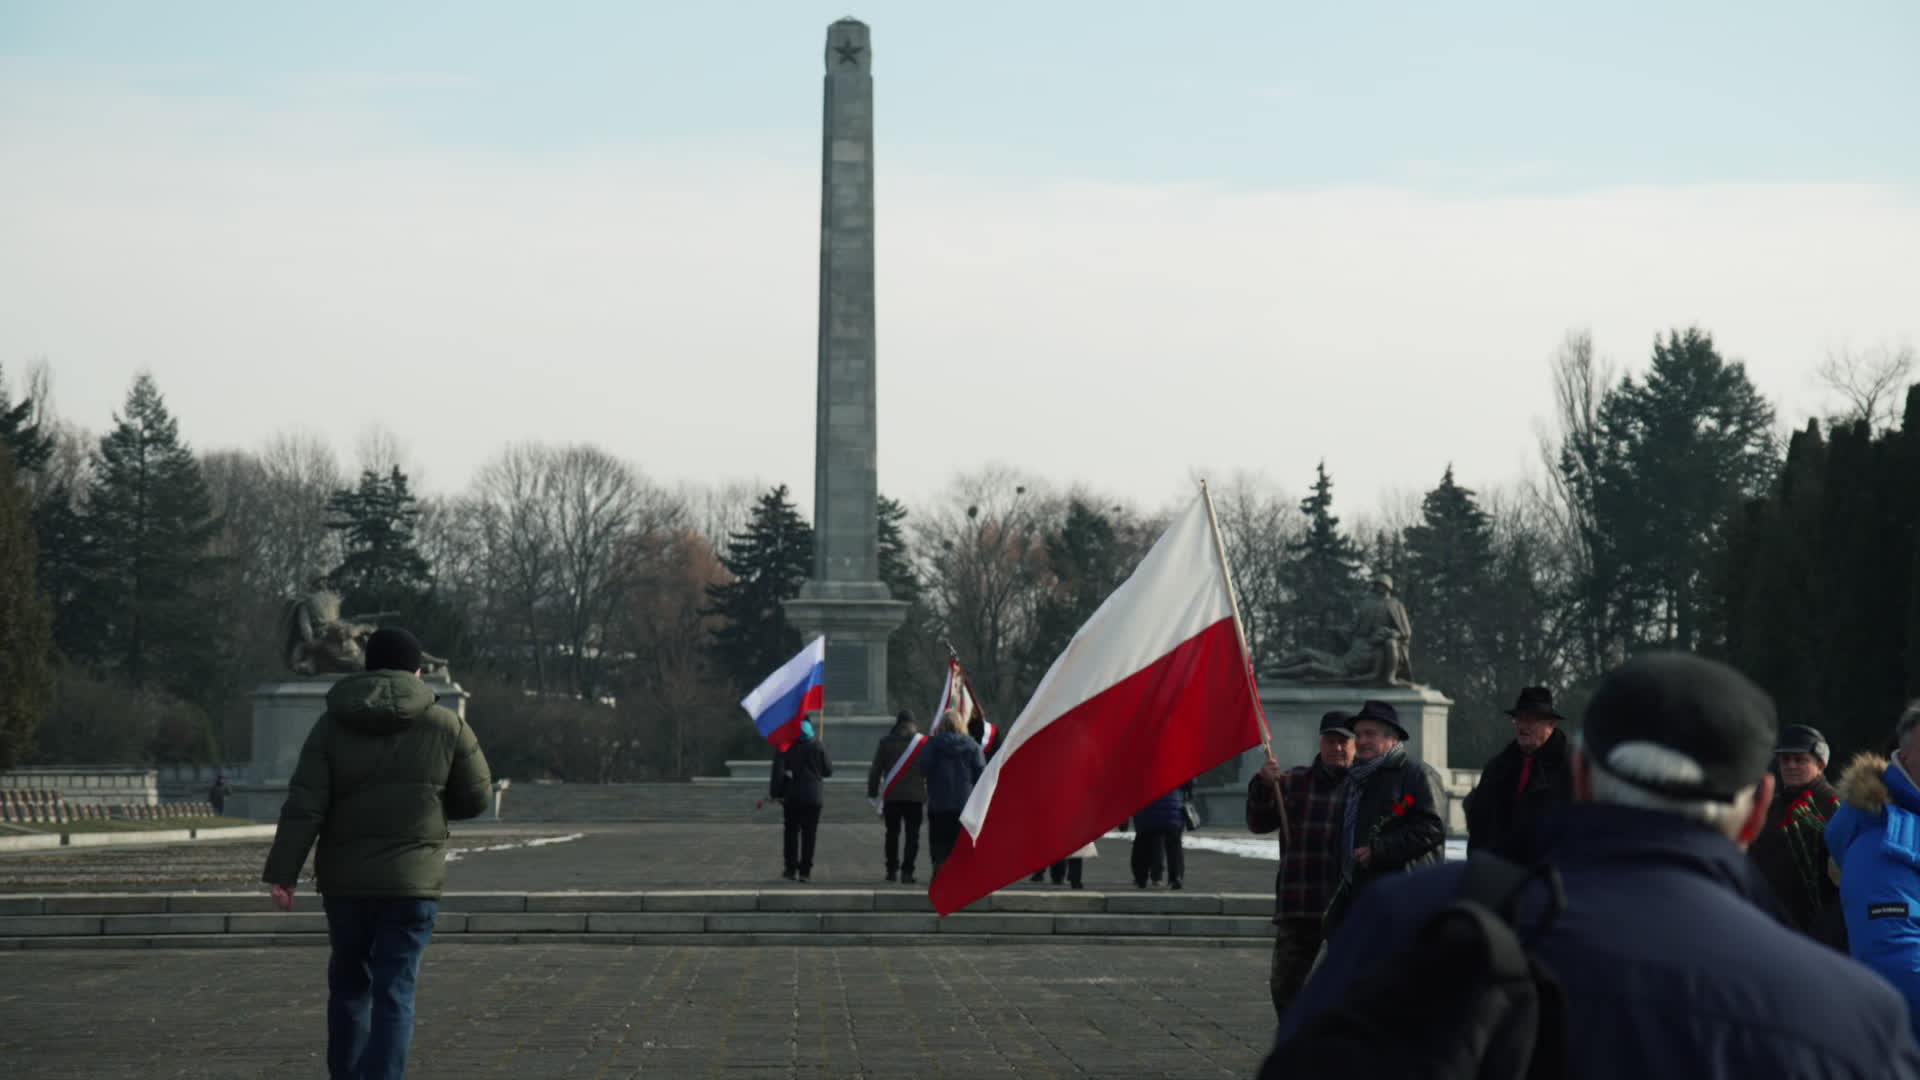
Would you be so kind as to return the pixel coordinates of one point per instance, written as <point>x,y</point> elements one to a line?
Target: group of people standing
<point>1710,883</point>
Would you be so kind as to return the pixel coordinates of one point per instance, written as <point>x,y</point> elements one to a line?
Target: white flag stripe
<point>1177,591</point>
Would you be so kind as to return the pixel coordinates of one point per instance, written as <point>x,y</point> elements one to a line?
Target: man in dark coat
<point>1308,805</point>
<point>1791,851</point>
<point>904,801</point>
<point>1390,822</point>
<point>952,764</point>
<point>799,782</point>
<point>1523,780</point>
<point>379,777</point>
<point>1671,962</point>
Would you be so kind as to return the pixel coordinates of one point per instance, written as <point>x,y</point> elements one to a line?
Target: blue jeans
<point>377,947</point>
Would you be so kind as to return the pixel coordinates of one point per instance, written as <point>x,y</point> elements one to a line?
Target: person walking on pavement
<point>380,775</point>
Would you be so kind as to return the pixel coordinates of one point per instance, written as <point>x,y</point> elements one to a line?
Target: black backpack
<point>1466,1000</point>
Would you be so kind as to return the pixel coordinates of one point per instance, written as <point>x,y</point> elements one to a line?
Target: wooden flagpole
<point>1246,651</point>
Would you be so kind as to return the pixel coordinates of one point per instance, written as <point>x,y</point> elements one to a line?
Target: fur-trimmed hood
<point>1863,785</point>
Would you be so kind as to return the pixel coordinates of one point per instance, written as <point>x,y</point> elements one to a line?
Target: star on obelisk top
<point>847,48</point>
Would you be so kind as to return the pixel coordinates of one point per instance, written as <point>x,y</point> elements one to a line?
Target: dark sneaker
<point>803,879</point>
<point>1173,884</point>
<point>1039,877</point>
<point>787,874</point>
<point>891,875</point>
<point>906,878</point>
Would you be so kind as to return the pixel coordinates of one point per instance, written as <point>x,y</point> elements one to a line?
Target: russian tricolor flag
<point>788,695</point>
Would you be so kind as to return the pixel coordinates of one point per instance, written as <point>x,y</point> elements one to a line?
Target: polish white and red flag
<point>1154,690</point>
<point>957,694</point>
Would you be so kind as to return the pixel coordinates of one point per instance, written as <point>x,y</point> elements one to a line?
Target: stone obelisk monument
<point>845,599</point>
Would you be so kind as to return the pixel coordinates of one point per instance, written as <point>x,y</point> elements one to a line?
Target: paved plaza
<point>610,1011</point>
<point>616,857</point>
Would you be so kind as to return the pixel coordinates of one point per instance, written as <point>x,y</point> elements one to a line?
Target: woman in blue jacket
<point>1875,841</point>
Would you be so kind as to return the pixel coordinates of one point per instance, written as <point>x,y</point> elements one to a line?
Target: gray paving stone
<point>875,922</point>
<point>449,923</point>
<point>98,904</point>
<point>1068,902</point>
<point>652,922</point>
<point>1109,924</point>
<point>473,903</point>
<point>92,941</point>
<point>304,902</point>
<point>702,900</point>
<point>763,922</point>
<point>907,899</point>
<point>539,922</point>
<point>1247,904</point>
<point>47,925</point>
<point>20,905</point>
<point>1219,926</point>
<point>163,924</point>
<point>817,900</point>
<point>1163,903</point>
<point>967,922</point>
<point>276,923</point>
<point>585,901</point>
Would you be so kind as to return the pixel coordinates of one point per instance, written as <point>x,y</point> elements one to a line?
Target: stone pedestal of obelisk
<point>845,599</point>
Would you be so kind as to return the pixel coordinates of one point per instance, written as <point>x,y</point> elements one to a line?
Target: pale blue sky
<point>1317,207</point>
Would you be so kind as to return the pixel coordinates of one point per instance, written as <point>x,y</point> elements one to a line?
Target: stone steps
<point>713,800</point>
<point>688,917</point>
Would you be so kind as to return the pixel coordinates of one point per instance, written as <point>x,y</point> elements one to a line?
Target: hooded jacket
<point>800,773</point>
<point>380,775</point>
<point>1671,952</point>
<point>1875,839</point>
<point>952,763</point>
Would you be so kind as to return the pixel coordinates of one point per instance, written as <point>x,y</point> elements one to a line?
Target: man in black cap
<point>1671,958</point>
<point>1791,850</point>
<point>380,775</point>
<point>1524,779</point>
<point>1390,816</point>
<point>1304,803</point>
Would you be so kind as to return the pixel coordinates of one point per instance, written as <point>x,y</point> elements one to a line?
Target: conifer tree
<point>768,561</point>
<point>1322,570</point>
<point>383,569</point>
<point>26,627</point>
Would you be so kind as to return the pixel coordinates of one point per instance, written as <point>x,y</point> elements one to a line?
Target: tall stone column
<point>845,599</point>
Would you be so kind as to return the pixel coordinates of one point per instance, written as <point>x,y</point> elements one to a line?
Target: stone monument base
<point>850,743</point>
<point>283,714</point>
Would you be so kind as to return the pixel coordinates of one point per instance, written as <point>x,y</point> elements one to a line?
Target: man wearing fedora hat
<point>1665,947</point>
<point>1303,804</point>
<point>1390,821</point>
<point>1525,778</point>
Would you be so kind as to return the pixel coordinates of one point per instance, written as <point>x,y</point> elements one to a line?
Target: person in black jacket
<point>952,764</point>
<point>1390,822</point>
<point>1791,851</point>
<point>799,773</point>
<point>1531,774</point>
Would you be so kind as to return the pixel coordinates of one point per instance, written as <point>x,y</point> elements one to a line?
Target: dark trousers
<point>943,831</point>
<point>900,814</point>
<point>1295,944</point>
<point>377,948</point>
<point>1147,843</point>
<point>802,826</point>
<point>1067,870</point>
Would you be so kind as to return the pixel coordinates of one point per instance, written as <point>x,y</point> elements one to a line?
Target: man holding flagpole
<point>900,792</point>
<point>783,709</point>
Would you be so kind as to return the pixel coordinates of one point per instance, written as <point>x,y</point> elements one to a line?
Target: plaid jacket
<point>1309,869</point>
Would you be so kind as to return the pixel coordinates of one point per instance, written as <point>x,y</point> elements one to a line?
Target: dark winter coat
<point>1169,811</point>
<point>1875,838</point>
<point>1408,840</point>
<point>1499,814</point>
<point>911,784</point>
<point>952,763</point>
<point>800,772</point>
<point>378,778</point>
<point>1672,957</point>
<point>1795,862</point>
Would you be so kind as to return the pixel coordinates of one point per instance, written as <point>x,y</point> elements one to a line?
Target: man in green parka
<point>381,774</point>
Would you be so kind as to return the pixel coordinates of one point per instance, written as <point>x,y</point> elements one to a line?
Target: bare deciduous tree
<point>1871,383</point>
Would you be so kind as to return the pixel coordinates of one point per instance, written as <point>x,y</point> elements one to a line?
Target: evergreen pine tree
<point>148,522</point>
<point>909,679</point>
<point>383,569</point>
<point>1322,570</point>
<point>26,626</point>
<point>31,447</point>
<point>768,561</point>
<point>1449,570</point>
